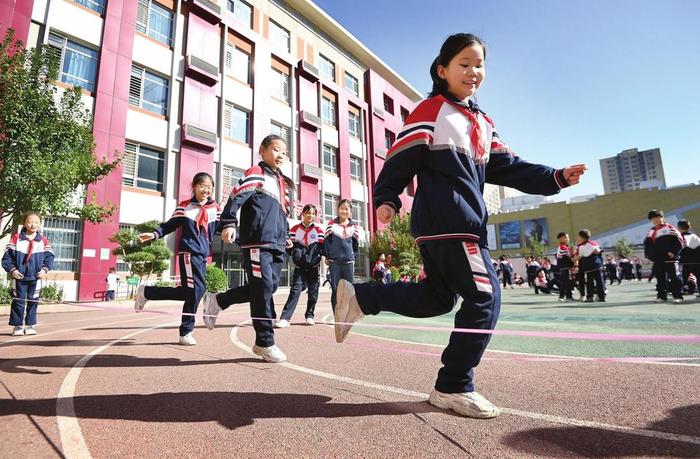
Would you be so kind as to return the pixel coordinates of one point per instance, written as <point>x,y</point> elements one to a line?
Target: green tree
<point>46,143</point>
<point>397,241</point>
<point>142,259</point>
<point>536,249</point>
<point>215,279</point>
<point>623,248</point>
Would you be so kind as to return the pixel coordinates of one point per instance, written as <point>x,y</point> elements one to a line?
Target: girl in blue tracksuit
<point>27,258</point>
<point>340,247</point>
<point>264,197</point>
<point>306,252</point>
<point>453,149</point>
<point>198,218</point>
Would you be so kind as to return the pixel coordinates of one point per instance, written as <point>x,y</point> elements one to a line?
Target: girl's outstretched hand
<point>385,213</point>
<point>572,174</point>
<point>145,237</point>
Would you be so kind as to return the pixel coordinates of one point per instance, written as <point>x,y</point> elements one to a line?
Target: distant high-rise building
<point>633,169</point>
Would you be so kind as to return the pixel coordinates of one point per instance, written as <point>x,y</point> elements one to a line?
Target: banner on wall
<point>491,241</point>
<point>536,228</point>
<point>509,235</point>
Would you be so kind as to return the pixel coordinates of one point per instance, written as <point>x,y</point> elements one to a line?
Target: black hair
<point>684,224</point>
<point>585,234</point>
<point>655,213</point>
<point>28,214</point>
<point>309,207</point>
<point>562,234</point>
<point>450,48</point>
<point>199,177</point>
<point>345,201</point>
<point>266,143</point>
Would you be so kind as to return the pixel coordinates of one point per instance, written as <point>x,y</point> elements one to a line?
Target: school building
<point>194,85</point>
<point>610,218</point>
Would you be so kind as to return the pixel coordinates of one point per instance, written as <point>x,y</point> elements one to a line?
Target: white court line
<point>72,440</point>
<point>325,321</point>
<point>514,412</point>
<point>39,335</point>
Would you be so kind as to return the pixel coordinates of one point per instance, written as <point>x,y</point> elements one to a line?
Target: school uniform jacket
<point>264,200</point>
<point>454,149</point>
<point>564,255</point>
<point>341,241</point>
<point>589,254</point>
<point>662,240</point>
<point>28,255</point>
<point>691,251</point>
<point>307,249</point>
<point>198,223</point>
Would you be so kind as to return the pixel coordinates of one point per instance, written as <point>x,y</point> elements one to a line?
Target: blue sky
<point>566,82</point>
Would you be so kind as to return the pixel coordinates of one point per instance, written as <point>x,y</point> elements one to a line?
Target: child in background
<point>506,271</point>
<point>690,255</point>
<point>112,284</point>
<point>564,262</point>
<point>453,149</point>
<point>27,258</point>
<point>263,198</point>
<point>638,268</point>
<point>662,246</point>
<point>591,265</point>
<point>340,247</point>
<point>307,240</point>
<point>199,218</point>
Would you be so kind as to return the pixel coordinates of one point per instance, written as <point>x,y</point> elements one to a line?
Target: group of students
<point>622,268</point>
<point>452,146</point>
<point>263,197</point>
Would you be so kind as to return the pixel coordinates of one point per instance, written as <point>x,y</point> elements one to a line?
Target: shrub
<point>215,279</point>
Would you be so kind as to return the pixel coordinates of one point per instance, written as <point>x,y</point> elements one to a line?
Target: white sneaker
<point>660,300</point>
<point>675,300</point>
<point>210,309</point>
<point>140,298</point>
<point>29,330</point>
<point>271,354</point>
<point>18,331</point>
<point>347,310</point>
<point>470,404</point>
<point>282,323</point>
<point>188,340</point>
<point>310,321</point>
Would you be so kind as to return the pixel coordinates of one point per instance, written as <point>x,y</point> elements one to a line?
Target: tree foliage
<point>623,248</point>
<point>46,142</point>
<point>143,260</point>
<point>398,242</point>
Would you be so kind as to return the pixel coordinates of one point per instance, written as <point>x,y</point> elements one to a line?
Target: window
<point>238,63</point>
<point>148,91</point>
<point>354,124</point>
<point>143,167</point>
<point>356,169</point>
<point>351,84</point>
<point>64,236</point>
<point>77,63</point>
<point>155,20</point>
<point>279,36</point>
<point>328,111</point>
<point>280,85</point>
<point>94,5</point>
<point>388,104</point>
<point>241,11</point>
<point>330,159</point>
<point>330,204</point>
<point>236,123</point>
<point>280,130</point>
<point>327,67</point>
<point>230,177</point>
<point>358,212</point>
<point>404,114</point>
<point>122,266</point>
<point>388,138</point>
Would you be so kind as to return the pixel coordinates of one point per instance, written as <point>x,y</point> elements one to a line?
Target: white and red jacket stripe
<point>28,255</point>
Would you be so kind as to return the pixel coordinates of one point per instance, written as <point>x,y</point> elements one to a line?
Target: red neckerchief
<point>30,250</point>
<point>471,111</point>
<point>203,218</point>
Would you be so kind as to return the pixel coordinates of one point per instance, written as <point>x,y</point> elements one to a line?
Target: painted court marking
<point>526,414</point>
<point>72,440</point>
